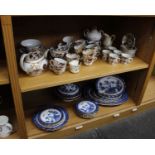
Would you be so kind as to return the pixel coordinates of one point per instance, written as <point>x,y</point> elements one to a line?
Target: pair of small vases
<point>116,56</point>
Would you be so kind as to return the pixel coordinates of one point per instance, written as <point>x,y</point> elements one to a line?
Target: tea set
<point>5,127</point>
<point>70,53</point>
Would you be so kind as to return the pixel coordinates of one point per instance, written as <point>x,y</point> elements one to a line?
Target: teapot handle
<point>46,53</point>
<point>9,126</point>
<point>113,37</point>
<point>22,61</point>
<point>86,32</point>
<point>102,32</point>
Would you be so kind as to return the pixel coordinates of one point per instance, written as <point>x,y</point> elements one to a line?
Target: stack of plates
<point>68,92</point>
<point>110,91</point>
<point>51,119</point>
<point>86,109</point>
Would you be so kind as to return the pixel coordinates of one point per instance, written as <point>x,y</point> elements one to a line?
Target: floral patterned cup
<point>113,59</point>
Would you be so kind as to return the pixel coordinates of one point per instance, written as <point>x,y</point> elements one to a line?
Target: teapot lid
<point>34,56</point>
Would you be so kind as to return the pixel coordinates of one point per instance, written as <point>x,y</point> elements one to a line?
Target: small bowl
<point>30,43</point>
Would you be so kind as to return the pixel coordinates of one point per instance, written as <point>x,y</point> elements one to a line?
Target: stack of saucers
<point>68,92</point>
<point>110,91</point>
<point>51,119</point>
<point>86,109</point>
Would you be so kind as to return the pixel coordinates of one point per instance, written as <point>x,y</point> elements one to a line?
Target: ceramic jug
<point>108,40</point>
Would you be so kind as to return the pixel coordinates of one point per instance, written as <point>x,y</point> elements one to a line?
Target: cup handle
<point>9,127</point>
<point>130,60</point>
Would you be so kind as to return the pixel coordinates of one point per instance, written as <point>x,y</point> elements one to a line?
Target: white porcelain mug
<point>113,59</point>
<point>74,66</point>
<point>5,127</point>
<point>126,58</point>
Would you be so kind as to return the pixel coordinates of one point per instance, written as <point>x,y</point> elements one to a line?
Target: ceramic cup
<point>113,58</point>
<point>126,58</point>
<point>58,65</point>
<point>72,56</point>
<point>105,54</point>
<point>74,66</point>
<point>5,127</point>
<point>59,52</point>
<point>112,48</point>
<point>68,40</point>
<point>89,57</point>
<point>118,52</point>
<point>132,52</point>
<point>79,45</point>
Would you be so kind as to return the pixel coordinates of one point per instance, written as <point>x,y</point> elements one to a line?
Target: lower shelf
<point>76,124</point>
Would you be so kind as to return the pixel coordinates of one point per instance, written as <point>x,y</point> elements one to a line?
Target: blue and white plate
<point>68,89</point>
<point>54,125</point>
<point>86,107</point>
<point>90,94</point>
<point>49,116</point>
<point>111,86</point>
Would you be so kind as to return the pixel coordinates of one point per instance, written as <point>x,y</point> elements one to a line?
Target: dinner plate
<point>110,86</point>
<point>51,126</point>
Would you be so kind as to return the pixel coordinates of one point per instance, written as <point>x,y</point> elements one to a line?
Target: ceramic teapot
<point>34,63</point>
<point>108,40</point>
<point>93,35</point>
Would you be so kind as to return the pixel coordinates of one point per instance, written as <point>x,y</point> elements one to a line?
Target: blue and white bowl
<point>110,86</point>
<point>86,109</point>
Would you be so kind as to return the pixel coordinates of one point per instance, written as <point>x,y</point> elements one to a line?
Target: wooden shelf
<point>98,69</point>
<point>149,95</point>
<point>4,78</point>
<point>74,120</point>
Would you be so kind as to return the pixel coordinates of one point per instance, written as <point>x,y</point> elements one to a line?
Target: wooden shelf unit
<point>149,95</point>
<point>18,28</point>
<point>4,77</point>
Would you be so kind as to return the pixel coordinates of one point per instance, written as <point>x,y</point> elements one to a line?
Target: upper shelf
<point>4,78</point>
<point>98,69</point>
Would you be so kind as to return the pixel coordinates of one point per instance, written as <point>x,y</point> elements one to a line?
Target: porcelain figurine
<point>34,63</point>
<point>93,35</point>
<point>108,40</point>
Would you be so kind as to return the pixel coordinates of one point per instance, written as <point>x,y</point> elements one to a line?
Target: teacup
<point>5,127</point>
<point>58,65</point>
<point>72,56</point>
<point>126,58</point>
<point>105,54</point>
<point>59,52</point>
<point>112,48</point>
<point>118,52</point>
<point>113,59</point>
<point>68,40</point>
<point>74,66</point>
<point>79,45</point>
<point>89,56</point>
<point>132,52</point>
